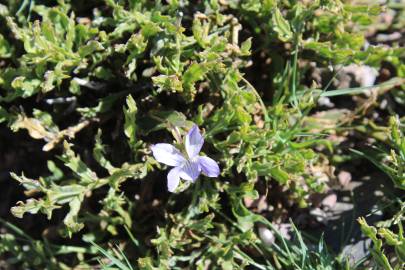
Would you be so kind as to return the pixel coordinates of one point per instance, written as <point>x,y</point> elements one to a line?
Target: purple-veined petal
<point>173,179</point>
<point>167,154</point>
<point>194,142</point>
<point>190,171</point>
<point>209,167</point>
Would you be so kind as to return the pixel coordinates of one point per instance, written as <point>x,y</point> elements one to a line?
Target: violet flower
<point>187,167</point>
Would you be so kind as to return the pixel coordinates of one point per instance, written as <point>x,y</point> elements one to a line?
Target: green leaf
<point>200,33</point>
<point>91,47</point>
<point>281,26</point>
<point>168,82</point>
<point>194,73</point>
<point>245,47</point>
<point>5,48</point>
<point>279,174</point>
<point>157,120</point>
<point>70,219</point>
<point>73,161</point>
<point>130,128</point>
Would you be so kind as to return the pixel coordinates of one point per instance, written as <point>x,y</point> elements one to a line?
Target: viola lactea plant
<point>186,166</point>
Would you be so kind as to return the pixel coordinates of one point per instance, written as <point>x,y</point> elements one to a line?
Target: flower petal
<point>208,166</point>
<point>190,171</point>
<point>167,154</point>
<point>173,179</point>
<point>194,142</point>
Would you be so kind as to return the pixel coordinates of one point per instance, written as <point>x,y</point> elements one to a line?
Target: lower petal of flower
<point>173,179</point>
<point>190,170</point>
<point>208,166</point>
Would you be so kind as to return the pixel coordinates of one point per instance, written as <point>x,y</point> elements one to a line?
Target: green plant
<point>87,87</point>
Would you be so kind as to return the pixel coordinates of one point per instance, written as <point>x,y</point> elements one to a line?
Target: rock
<point>266,235</point>
<point>319,215</point>
<point>344,178</point>
<point>329,202</point>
